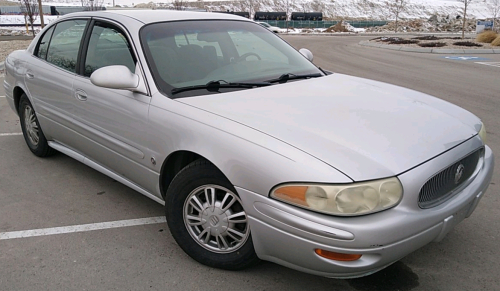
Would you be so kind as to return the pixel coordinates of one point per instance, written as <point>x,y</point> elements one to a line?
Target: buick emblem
<point>214,220</point>
<point>459,173</point>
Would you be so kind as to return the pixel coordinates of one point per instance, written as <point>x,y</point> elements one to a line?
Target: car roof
<point>151,16</point>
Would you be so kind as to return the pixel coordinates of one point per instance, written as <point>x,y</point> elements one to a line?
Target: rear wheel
<point>32,131</point>
<point>207,219</point>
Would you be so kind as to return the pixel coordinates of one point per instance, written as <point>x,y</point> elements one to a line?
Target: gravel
<point>6,47</point>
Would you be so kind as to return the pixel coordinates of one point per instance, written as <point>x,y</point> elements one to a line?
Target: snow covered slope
<point>371,9</point>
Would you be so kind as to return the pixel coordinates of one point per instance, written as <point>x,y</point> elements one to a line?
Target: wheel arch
<point>174,163</point>
<point>16,94</point>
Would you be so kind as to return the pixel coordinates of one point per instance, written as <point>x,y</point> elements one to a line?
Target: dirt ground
<point>448,41</point>
<point>6,47</point>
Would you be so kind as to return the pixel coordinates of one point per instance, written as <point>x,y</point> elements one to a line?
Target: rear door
<point>49,78</point>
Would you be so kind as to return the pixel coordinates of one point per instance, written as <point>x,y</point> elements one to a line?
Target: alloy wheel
<point>215,219</point>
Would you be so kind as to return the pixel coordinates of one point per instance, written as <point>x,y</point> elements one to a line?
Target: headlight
<point>346,199</point>
<point>482,133</point>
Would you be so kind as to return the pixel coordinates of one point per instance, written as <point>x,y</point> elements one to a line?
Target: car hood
<point>363,128</point>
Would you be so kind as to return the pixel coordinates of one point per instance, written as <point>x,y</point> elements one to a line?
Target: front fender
<point>250,159</point>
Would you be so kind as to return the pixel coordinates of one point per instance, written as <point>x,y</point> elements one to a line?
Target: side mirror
<point>115,77</point>
<point>306,53</point>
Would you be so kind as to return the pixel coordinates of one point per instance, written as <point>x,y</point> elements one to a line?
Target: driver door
<point>113,121</point>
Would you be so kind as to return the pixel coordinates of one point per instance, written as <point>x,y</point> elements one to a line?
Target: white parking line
<point>493,64</point>
<point>81,228</point>
<point>2,96</point>
<point>11,133</point>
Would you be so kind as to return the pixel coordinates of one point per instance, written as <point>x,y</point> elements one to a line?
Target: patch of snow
<point>19,19</point>
<point>351,28</point>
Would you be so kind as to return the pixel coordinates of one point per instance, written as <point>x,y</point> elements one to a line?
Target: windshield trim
<point>149,57</point>
<point>155,73</point>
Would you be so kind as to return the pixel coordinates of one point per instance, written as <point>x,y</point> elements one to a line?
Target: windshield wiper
<point>214,86</point>
<point>289,76</point>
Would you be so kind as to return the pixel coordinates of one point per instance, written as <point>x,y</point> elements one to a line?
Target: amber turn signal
<point>296,194</point>
<point>337,256</point>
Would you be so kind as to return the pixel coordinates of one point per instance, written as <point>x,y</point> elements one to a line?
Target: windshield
<point>194,53</point>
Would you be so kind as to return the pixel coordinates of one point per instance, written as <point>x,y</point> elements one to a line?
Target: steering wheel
<point>244,56</point>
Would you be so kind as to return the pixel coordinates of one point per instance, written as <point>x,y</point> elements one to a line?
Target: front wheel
<point>207,219</point>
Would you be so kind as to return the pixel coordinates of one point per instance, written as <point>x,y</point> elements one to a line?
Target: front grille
<point>441,187</point>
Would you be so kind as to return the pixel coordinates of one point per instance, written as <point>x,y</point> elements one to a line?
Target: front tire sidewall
<point>190,178</point>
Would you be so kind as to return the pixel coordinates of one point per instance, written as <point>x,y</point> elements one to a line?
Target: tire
<point>32,131</point>
<point>207,219</point>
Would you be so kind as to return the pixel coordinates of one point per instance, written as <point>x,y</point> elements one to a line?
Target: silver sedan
<point>256,152</point>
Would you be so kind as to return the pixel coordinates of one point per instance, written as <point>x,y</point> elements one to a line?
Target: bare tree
<point>150,5</point>
<point>287,14</point>
<point>92,5</point>
<point>250,5</point>
<point>199,4</point>
<point>178,4</point>
<point>395,8</point>
<point>464,18</point>
<point>494,6</point>
<point>289,6</point>
<point>30,10</point>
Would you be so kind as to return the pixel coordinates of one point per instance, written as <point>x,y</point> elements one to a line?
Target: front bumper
<point>288,235</point>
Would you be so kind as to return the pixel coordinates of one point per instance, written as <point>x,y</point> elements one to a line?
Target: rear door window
<point>65,44</point>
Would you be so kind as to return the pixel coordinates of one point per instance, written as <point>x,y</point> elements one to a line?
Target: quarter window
<point>43,45</point>
<point>108,46</point>
<point>65,43</point>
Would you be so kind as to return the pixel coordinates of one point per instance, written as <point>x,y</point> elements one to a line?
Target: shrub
<point>496,42</point>
<point>404,41</point>
<point>486,36</point>
<point>427,37</point>
<point>467,43</point>
<point>432,44</point>
<point>390,39</point>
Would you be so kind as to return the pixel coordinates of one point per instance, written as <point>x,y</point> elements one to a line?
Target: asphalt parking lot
<point>131,248</point>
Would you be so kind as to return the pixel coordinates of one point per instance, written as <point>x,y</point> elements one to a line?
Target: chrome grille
<point>441,187</point>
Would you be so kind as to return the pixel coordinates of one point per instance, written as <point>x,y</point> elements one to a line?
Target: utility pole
<point>40,12</point>
<point>286,17</point>
<point>251,6</point>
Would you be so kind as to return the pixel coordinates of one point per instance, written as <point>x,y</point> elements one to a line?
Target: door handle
<point>30,75</point>
<point>81,95</point>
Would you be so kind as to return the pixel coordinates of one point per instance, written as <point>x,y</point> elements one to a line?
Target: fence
<point>322,24</point>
